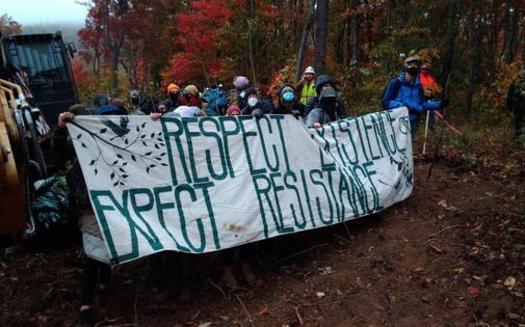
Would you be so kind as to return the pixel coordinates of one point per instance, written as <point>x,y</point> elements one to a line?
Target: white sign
<point>204,184</point>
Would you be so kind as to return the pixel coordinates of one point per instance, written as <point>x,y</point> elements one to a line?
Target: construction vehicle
<point>36,84</point>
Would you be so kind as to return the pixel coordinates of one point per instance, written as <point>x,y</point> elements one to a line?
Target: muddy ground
<point>453,254</point>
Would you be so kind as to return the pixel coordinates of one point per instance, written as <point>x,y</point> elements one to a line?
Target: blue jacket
<point>400,93</point>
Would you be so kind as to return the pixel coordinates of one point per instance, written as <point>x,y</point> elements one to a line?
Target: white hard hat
<point>309,70</point>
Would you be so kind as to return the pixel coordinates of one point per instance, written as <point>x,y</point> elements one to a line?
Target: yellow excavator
<point>36,83</point>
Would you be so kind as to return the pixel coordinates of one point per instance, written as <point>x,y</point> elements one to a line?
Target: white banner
<point>204,184</point>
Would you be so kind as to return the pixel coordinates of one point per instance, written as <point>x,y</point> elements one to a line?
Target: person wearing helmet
<point>190,97</point>
<point>326,106</point>
<point>407,91</point>
<point>288,103</point>
<point>307,85</point>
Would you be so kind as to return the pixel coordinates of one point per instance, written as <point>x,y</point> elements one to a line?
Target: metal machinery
<point>36,83</point>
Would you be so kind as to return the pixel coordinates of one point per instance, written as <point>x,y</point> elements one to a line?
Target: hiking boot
<point>228,278</point>
<point>248,274</point>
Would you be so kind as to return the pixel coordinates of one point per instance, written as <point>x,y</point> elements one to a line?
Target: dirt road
<point>451,255</point>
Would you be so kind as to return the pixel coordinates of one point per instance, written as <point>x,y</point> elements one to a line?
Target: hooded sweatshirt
<point>283,107</point>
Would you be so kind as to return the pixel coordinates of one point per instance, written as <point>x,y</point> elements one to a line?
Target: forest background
<point>476,48</point>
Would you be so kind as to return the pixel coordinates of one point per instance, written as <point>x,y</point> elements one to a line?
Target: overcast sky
<point>28,12</point>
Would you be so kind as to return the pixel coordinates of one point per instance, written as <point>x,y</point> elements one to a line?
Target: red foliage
<point>82,77</point>
<point>198,36</point>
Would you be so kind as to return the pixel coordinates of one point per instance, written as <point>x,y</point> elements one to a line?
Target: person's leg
<point>248,257</point>
<point>227,257</point>
<point>188,275</point>
<point>88,282</point>
<point>104,275</point>
<point>156,271</point>
<point>172,272</point>
<point>87,291</point>
<point>414,123</point>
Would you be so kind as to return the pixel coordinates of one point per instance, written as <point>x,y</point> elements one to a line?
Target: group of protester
<point>314,100</point>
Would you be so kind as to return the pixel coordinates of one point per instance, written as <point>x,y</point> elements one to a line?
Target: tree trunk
<point>115,54</point>
<point>304,40</point>
<point>105,27</point>
<point>506,29</point>
<point>511,31</point>
<point>450,42</point>
<point>321,33</point>
<point>354,32</point>
<point>251,23</point>
<point>474,57</point>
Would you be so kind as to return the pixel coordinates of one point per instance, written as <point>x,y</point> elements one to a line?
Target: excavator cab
<point>36,85</point>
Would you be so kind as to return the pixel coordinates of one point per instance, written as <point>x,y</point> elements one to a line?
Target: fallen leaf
<point>327,270</point>
<point>474,291</point>
<point>510,282</point>
<point>205,324</point>
<point>320,294</point>
<point>514,316</point>
<point>264,309</point>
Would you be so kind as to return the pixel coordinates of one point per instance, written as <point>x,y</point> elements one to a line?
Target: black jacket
<point>284,108</point>
<point>336,110</point>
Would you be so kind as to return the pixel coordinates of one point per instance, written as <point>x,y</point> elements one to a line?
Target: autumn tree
<point>8,26</point>
<point>199,38</point>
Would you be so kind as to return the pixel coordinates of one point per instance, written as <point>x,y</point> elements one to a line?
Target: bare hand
<point>65,118</point>
<point>155,116</point>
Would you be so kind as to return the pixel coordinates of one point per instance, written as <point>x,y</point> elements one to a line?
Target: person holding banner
<point>407,91</point>
<point>190,97</point>
<point>96,269</point>
<point>287,103</point>
<point>238,94</point>
<point>254,104</point>
<point>327,106</point>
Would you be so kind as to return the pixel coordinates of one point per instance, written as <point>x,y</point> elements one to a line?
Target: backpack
<point>216,100</point>
<point>396,84</point>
